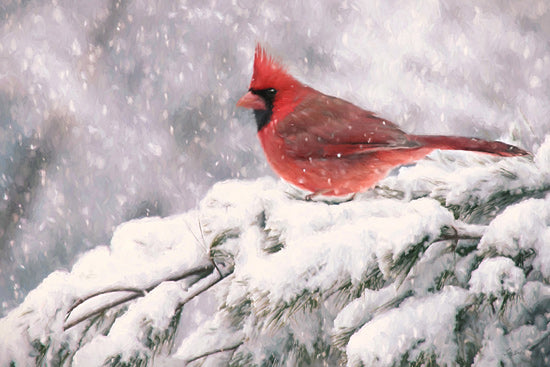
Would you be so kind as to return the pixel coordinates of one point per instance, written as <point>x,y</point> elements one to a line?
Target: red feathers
<point>267,73</point>
<point>329,146</point>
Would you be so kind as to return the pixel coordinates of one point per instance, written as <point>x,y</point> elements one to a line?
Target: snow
<point>427,319</point>
<point>362,309</point>
<point>507,350</point>
<point>520,229</point>
<point>155,311</point>
<point>166,245</point>
<point>213,332</point>
<point>131,109</point>
<point>497,275</point>
<point>141,253</point>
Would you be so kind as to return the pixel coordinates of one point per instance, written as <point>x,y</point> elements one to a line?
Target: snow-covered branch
<point>378,280</point>
<point>199,271</point>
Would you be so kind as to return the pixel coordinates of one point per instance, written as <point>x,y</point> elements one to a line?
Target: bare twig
<point>202,243</point>
<point>99,293</point>
<point>215,351</point>
<point>461,232</point>
<point>456,237</point>
<point>197,271</point>
<point>100,310</point>
<point>208,283</point>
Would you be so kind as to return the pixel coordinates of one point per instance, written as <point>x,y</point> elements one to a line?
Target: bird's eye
<point>268,94</point>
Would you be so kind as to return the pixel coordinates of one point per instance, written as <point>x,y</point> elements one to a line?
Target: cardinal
<point>329,146</point>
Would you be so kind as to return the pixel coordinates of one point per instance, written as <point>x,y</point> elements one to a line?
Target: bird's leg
<point>341,200</point>
<point>310,197</point>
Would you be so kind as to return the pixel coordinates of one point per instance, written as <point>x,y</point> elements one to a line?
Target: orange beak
<point>251,100</point>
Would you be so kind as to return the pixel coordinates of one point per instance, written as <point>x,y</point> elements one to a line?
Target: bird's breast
<point>273,144</point>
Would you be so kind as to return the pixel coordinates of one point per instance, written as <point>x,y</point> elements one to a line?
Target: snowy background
<point>113,110</point>
<point>117,110</point>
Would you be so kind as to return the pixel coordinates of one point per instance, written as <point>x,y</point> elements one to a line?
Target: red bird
<point>331,147</point>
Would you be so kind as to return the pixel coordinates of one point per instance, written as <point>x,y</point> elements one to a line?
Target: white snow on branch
<point>126,336</point>
<point>497,275</point>
<point>522,228</point>
<point>141,253</point>
<point>420,324</point>
<point>465,177</point>
<point>322,243</point>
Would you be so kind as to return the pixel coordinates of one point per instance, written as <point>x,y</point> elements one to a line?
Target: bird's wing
<point>322,126</point>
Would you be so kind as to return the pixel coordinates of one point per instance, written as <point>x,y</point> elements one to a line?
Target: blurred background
<point>112,110</point>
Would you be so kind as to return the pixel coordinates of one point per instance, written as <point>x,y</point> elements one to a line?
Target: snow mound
<point>427,322</point>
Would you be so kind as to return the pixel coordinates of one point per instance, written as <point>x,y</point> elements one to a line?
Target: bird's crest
<point>268,73</point>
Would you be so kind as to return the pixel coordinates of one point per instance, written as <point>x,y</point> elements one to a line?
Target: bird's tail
<point>472,144</point>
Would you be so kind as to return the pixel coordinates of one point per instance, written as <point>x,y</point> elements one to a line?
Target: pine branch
<point>218,276</point>
<point>215,351</point>
<point>461,232</point>
<point>346,291</point>
<point>341,337</point>
<point>80,301</point>
<point>402,266</point>
<point>201,271</point>
<point>276,317</point>
<point>476,208</point>
<point>155,340</point>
